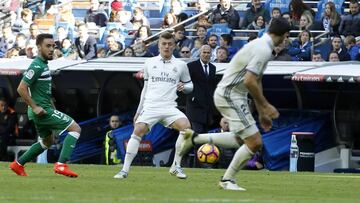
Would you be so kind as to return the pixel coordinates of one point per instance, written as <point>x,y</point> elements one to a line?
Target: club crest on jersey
<point>29,74</point>
<point>175,70</point>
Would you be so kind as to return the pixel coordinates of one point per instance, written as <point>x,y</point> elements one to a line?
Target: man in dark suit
<point>200,104</point>
<point>85,44</point>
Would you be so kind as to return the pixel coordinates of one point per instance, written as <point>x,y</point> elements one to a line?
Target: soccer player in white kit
<point>164,75</point>
<point>243,76</point>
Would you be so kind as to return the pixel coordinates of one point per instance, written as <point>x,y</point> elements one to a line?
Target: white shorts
<point>165,116</point>
<point>236,110</point>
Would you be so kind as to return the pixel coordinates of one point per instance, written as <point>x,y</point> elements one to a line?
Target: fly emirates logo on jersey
<point>164,77</point>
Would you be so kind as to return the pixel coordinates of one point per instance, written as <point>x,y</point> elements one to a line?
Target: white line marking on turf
<point>334,176</point>
<point>218,200</point>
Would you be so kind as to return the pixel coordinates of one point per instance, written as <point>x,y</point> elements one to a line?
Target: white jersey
<point>162,78</point>
<point>252,57</point>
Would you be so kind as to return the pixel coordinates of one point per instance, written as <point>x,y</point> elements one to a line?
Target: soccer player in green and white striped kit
<point>35,89</point>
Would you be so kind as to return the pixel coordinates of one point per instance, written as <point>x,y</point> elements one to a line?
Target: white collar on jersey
<point>164,60</point>
<point>268,39</point>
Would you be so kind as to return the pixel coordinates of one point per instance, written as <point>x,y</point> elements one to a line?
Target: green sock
<point>31,154</point>
<point>67,148</point>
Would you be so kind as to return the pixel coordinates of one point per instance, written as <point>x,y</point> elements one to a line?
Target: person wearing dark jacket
<point>199,104</point>
<point>256,9</point>
<point>337,46</point>
<point>85,44</point>
<point>225,11</point>
<point>7,127</point>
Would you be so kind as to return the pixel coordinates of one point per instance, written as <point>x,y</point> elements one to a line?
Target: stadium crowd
<point>112,29</point>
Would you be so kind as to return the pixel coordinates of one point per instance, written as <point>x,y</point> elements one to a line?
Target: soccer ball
<point>208,153</point>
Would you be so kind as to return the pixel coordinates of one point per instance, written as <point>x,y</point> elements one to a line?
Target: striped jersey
<point>252,57</point>
<point>162,78</point>
<point>38,78</point>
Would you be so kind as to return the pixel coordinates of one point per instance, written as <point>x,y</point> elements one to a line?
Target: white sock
<point>224,139</point>
<point>131,151</point>
<point>242,155</point>
<point>177,157</point>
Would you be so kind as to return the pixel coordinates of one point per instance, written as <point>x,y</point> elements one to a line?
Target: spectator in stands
<point>96,15</point>
<point>280,53</point>
<point>101,52</point>
<point>306,21</point>
<point>68,50</point>
<point>139,19</point>
<point>181,39</point>
<point>333,57</point>
<point>257,24</point>
<point>128,52</point>
<point>337,46</point>
<point>298,8</point>
<point>169,21</point>
<point>61,34</point>
<point>212,42</point>
<point>202,21</point>
<point>120,16</point>
<point>66,14</point>
<point>31,51</point>
<point>350,23</point>
<point>225,11</point>
<point>114,47</point>
<point>202,5</point>
<point>226,41</point>
<point>316,57</point>
<point>20,43</point>
<point>256,9</point>
<point>201,33</point>
<point>7,41</point>
<point>140,50</point>
<point>85,44</point>
<point>195,52</point>
<point>12,53</point>
<point>199,103</point>
<point>22,25</point>
<point>275,12</point>
<point>287,16</point>
<point>34,32</point>
<point>185,52</point>
<point>300,49</point>
<point>222,55</point>
<point>352,47</point>
<point>8,120</point>
<point>176,8</point>
<point>330,19</point>
<point>119,36</point>
<point>142,34</point>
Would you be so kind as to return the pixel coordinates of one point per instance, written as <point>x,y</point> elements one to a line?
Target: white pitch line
<point>334,176</point>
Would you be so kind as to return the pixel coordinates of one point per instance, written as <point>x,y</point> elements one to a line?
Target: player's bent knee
<point>140,129</point>
<point>74,127</point>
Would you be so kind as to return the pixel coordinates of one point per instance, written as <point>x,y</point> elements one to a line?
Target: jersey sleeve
<point>258,62</point>
<point>185,75</point>
<point>32,73</point>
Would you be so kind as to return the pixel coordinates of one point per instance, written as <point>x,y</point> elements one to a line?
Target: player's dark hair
<point>279,26</point>
<point>41,37</point>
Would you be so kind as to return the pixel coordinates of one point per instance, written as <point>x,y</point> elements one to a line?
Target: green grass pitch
<point>150,184</point>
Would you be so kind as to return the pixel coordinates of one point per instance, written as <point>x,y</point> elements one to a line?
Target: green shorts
<point>54,120</point>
